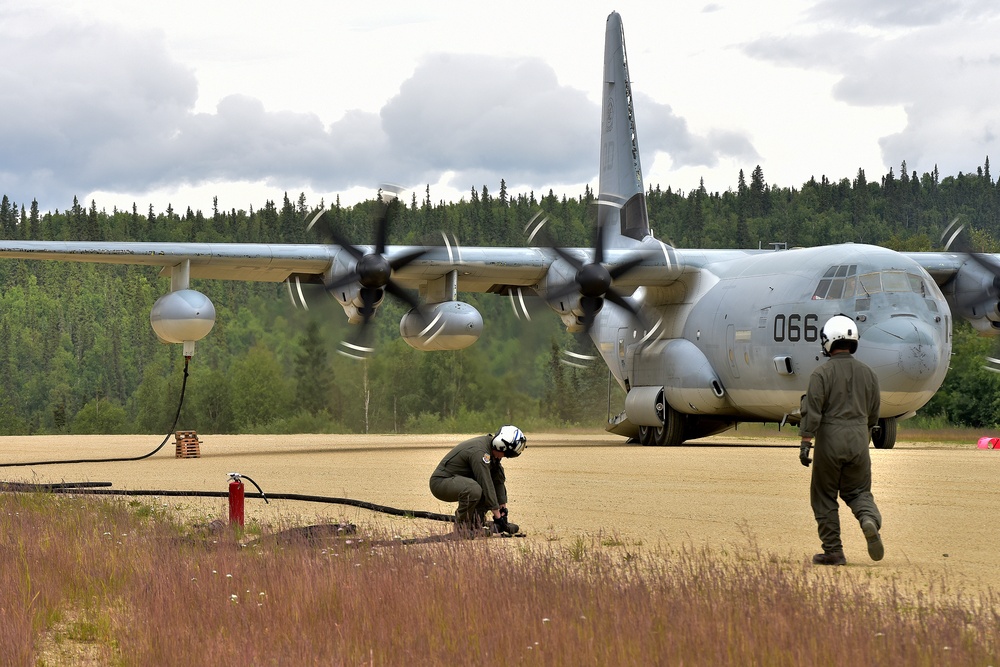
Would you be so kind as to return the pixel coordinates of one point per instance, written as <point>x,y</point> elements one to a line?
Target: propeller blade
<point>401,294</point>
<point>987,262</point>
<point>295,293</point>
<point>577,360</point>
<point>400,261</point>
<point>534,226</point>
<point>949,234</point>
<point>517,303</point>
<point>573,261</point>
<point>345,279</point>
<point>626,266</point>
<point>325,230</point>
<point>355,350</point>
<point>598,244</point>
<point>955,241</point>
<point>614,297</point>
<point>381,230</point>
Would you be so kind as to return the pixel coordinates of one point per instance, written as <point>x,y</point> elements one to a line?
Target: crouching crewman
<point>472,474</point>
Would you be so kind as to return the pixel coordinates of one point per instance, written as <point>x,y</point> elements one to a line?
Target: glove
<point>503,512</point>
<point>500,524</point>
<point>804,453</point>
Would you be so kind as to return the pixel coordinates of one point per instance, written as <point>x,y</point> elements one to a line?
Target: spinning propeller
<point>372,271</point>
<point>593,280</point>
<point>955,241</point>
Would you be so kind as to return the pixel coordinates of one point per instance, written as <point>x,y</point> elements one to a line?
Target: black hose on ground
<point>90,490</point>
<point>177,415</point>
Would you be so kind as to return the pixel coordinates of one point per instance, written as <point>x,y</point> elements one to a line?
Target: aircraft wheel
<point>884,433</point>
<point>671,433</point>
<point>646,436</point>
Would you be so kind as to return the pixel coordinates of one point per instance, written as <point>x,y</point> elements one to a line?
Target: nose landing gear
<point>884,433</point>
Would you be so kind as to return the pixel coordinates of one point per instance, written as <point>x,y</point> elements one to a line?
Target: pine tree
<point>313,373</point>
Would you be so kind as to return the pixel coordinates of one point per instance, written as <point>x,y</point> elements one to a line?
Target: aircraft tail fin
<point>620,189</point>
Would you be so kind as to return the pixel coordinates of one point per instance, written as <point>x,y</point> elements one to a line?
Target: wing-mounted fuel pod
<point>184,315</point>
<point>444,322</point>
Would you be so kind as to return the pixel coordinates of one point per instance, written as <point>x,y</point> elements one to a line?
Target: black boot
<point>875,547</point>
<point>830,558</point>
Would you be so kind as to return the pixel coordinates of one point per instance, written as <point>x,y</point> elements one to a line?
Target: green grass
<point>108,582</point>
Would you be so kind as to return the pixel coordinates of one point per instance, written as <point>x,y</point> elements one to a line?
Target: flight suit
<point>471,475</point>
<point>839,410</point>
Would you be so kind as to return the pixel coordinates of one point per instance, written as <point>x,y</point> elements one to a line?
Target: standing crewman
<point>472,474</point>
<point>839,410</point>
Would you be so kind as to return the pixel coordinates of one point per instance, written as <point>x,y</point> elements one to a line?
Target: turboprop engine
<point>449,325</point>
<point>183,316</point>
<point>976,292</point>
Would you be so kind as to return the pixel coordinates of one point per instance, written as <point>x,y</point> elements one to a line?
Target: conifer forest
<point>77,354</point>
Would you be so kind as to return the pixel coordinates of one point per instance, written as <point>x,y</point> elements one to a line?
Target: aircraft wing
<point>232,261</point>
<point>478,269</point>
<point>942,266</point>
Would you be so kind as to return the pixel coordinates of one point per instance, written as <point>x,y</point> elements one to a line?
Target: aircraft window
<point>836,282</point>
<point>895,281</point>
<point>849,286</point>
<point>824,286</point>
<point>917,284</point>
<point>869,283</point>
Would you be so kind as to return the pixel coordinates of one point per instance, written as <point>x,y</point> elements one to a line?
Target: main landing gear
<point>671,433</point>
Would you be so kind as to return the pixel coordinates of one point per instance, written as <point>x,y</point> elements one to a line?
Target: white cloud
<point>178,101</point>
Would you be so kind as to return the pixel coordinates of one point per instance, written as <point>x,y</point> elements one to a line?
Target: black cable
<point>417,514</point>
<point>177,415</point>
<point>51,488</point>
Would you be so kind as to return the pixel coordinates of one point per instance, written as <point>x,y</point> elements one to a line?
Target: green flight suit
<point>471,475</point>
<point>839,410</point>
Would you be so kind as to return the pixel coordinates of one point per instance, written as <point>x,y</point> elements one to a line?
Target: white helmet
<point>510,441</point>
<point>839,327</point>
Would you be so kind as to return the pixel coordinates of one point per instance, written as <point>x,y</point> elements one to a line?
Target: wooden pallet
<point>188,445</point>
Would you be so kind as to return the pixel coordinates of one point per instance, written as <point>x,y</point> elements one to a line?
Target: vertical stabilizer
<point>620,187</point>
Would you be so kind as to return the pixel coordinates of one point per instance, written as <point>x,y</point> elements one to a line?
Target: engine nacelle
<point>975,295</point>
<point>569,306</point>
<point>181,316</point>
<point>449,325</point>
<point>351,300</point>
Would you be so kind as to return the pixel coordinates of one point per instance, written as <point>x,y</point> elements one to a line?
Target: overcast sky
<point>174,102</point>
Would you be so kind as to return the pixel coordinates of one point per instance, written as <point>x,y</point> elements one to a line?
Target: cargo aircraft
<point>700,340</point>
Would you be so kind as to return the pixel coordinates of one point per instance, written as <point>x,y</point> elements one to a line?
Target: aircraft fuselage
<point>755,321</point>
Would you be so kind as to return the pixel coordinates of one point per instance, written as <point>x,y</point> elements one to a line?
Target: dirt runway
<point>940,503</point>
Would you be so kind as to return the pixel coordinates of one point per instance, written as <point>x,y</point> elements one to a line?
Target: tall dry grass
<point>128,584</point>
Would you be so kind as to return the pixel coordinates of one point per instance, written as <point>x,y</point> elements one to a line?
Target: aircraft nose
<point>908,343</point>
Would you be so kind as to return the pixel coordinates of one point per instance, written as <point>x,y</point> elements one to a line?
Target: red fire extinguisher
<point>235,499</point>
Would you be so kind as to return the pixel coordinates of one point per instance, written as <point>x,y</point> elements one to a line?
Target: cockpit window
<point>837,282</point>
<point>841,282</point>
<point>890,281</point>
<point>895,281</point>
<point>869,283</point>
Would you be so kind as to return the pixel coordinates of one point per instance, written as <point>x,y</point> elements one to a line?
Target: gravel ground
<point>940,502</point>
